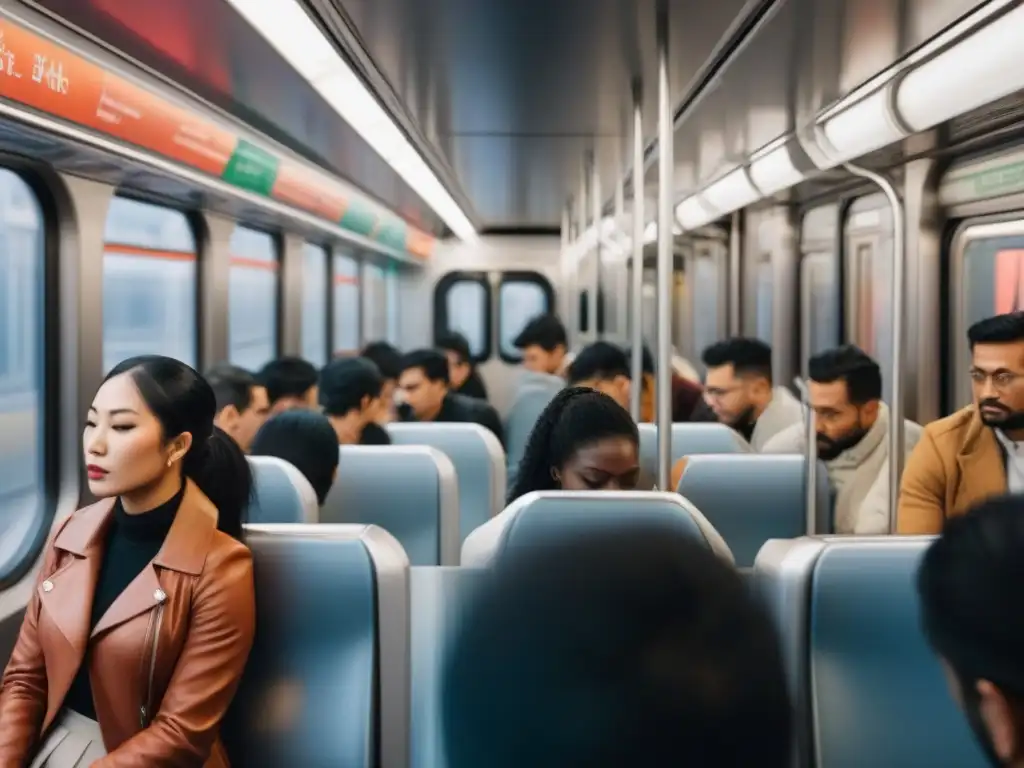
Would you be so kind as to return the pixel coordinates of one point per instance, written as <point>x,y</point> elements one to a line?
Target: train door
<point>868,246</point>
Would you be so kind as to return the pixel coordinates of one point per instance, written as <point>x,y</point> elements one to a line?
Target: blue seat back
<point>281,493</point>
<point>479,465</point>
<point>542,517</point>
<point>750,498</point>
<point>437,596</point>
<point>327,682</point>
<point>689,439</point>
<point>533,398</point>
<point>867,689</point>
<point>410,491</point>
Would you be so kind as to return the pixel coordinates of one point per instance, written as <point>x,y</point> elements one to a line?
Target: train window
<point>375,303</point>
<point>765,301</point>
<point>345,339</point>
<point>462,303</point>
<point>819,305</point>
<point>988,279</point>
<point>393,315</point>
<point>705,292</point>
<point>314,304</point>
<point>252,298</point>
<point>522,296</point>
<point>149,283</point>
<point>22,361</point>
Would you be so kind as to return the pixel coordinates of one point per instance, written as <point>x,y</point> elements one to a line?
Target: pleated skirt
<point>74,741</point>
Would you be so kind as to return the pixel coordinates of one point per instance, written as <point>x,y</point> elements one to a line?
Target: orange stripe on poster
<point>48,77</point>
<point>1009,285</point>
<point>295,186</point>
<point>147,253</point>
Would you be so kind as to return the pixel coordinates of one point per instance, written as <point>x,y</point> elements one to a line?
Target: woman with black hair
<point>137,634</point>
<point>582,441</point>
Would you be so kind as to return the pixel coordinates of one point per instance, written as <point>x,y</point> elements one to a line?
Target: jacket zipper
<point>153,640</point>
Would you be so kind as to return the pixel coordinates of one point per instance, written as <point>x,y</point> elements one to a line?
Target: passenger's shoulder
<point>227,554</point>
<point>789,440</point>
<point>950,427</point>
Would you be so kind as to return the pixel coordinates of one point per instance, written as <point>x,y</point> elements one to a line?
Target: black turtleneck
<point>132,542</point>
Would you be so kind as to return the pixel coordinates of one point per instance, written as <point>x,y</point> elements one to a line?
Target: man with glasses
<point>978,452</point>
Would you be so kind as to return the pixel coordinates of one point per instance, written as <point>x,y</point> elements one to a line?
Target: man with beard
<point>852,424</point>
<point>968,585</point>
<point>977,452</point>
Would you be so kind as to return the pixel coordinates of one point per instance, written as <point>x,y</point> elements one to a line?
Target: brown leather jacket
<point>164,660</point>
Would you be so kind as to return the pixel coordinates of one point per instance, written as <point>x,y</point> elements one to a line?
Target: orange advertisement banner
<point>295,186</point>
<point>419,243</point>
<point>48,77</point>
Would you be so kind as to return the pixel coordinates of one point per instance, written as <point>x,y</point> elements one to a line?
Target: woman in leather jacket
<point>142,619</point>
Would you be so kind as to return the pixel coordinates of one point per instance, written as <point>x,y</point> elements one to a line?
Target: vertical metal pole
<point>566,233</point>
<point>620,283</point>
<point>811,473</point>
<point>636,328</point>
<point>578,257</point>
<point>595,277</point>
<point>735,270</point>
<point>896,426</point>
<point>663,390</point>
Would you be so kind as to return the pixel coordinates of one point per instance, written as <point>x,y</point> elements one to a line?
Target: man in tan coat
<point>978,451</point>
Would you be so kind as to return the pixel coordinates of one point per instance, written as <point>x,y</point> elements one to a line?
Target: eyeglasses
<point>1001,380</point>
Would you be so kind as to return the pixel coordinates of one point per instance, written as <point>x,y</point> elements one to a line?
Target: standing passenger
<point>969,584</point>
<point>465,380</point>
<point>350,392</point>
<point>978,451</point>
<point>142,619</point>
<point>242,404</point>
<point>290,383</point>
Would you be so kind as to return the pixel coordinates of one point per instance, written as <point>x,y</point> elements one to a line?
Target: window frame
<point>523,276</point>
<point>1008,224</point>
<point>332,340</point>
<point>28,550</point>
<point>448,281</point>
<point>328,253</point>
<point>277,239</point>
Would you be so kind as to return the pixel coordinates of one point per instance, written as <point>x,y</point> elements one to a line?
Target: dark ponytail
<point>577,416</point>
<point>183,401</point>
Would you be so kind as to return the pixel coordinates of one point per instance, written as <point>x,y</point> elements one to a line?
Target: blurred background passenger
<point>290,383</point>
<point>389,362</point>
<point>462,375</point>
<point>242,404</point>
<point>307,441</point>
<point>615,648</point>
<point>350,392</point>
<point>543,342</point>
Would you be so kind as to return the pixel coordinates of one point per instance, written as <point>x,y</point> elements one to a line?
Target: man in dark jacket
<point>425,386</point>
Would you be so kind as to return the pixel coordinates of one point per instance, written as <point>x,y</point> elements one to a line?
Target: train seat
<point>533,397</point>
<point>437,597</point>
<point>688,439</point>
<point>410,491</point>
<point>548,515</point>
<point>479,465</point>
<point>327,682</point>
<point>751,498</point>
<point>281,494</point>
<point>867,690</point>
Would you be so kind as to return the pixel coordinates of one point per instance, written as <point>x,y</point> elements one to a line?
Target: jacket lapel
<point>982,468</point>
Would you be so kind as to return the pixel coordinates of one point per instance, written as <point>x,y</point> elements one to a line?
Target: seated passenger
<point>583,441</point>
<point>615,649</point>
<point>544,343</point>
<point>136,635</point>
<point>424,383</point>
<point>242,405</point>
<point>350,396</point>
<point>687,396</point>
<point>389,362</point>
<point>305,440</point>
<point>461,372</point>
<point>290,383</point>
<point>969,585</point>
<point>604,367</point>
<point>852,424</point>
<point>978,451</point>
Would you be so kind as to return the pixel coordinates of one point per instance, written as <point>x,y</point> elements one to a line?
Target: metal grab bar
<point>811,474</point>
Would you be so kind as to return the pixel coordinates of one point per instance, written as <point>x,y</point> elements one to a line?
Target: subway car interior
<point>239,180</point>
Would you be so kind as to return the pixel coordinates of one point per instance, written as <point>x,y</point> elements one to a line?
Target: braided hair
<point>576,417</point>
